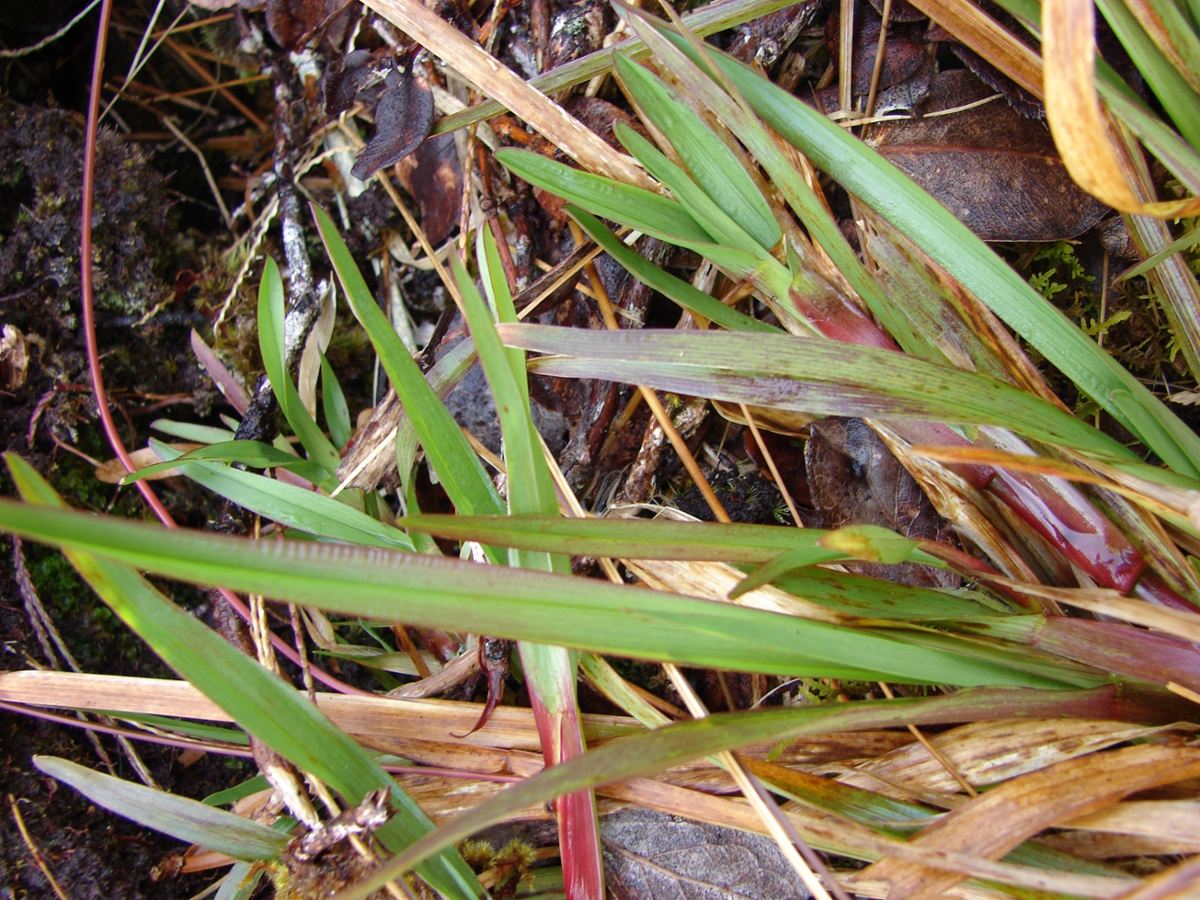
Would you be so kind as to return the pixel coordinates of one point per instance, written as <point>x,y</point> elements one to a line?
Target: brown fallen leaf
<point>433,175</point>
<point>994,823</point>
<point>854,479</point>
<point>402,119</point>
<point>291,22</point>
<point>997,171</point>
<point>650,854</point>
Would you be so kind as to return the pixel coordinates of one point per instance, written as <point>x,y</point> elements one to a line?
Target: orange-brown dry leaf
<point>1081,128</point>
<point>989,752</point>
<point>994,823</point>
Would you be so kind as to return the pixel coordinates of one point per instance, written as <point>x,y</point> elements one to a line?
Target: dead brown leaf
<point>994,169</point>
<point>994,823</point>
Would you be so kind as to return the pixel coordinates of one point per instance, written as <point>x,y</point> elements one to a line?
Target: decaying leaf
<point>402,119</point>
<point>14,358</point>
<point>112,471</point>
<point>855,480</point>
<point>994,823</point>
<point>986,753</point>
<point>433,175</point>
<point>997,171</point>
<point>650,854</point>
<point>292,22</point>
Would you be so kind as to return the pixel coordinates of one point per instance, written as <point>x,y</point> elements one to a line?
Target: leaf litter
<point>999,174</point>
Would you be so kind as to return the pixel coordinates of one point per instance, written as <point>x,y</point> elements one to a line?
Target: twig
<point>47,41</point>
<point>34,851</point>
<point>934,751</point>
<point>787,496</point>
<point>208,175</point>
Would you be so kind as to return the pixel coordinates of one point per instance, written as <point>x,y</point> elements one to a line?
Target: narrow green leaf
<point>254,454</point>
<point>710,162</point>
<point>201,434</point>
<point>290,505</point>
<point>804,375</point>
<point>653,751</point>
<point>271,342</point>
<point>675,289</point>
<point>256,699</point>
<point>186,820</point>
<point>237,792</point>
<point>640,209</point>
<point>456,465</point>
<point>784,563</point>
<point>949,243</point>
<point>511,603</point>
<point>337,414</point>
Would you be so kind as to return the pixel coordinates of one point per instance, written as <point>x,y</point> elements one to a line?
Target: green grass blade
<point>201,434</point>
<point>457,467</point>
<point>805,375</point>
<point>898,199</point>
<point>674,289</point>
<point>253,454</point>
<point>271,343</point>
<point>290,505</point>
<point>710,162</point>
<point>511,603</point>
<point>186,820</point>
<point>337,414</point>
<point>653,751</point>
<point>639,209</point>
<point>256,699</point>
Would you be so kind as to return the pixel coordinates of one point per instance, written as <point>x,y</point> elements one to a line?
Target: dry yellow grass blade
<point>1101,845</point>
<point>496,80</point>
<point>510,727</point>
<point>1081,128</point>
<point>113,470</point>
<point>828,832</point>
<point>1173,820</point>
<point>996,822</point>
<point>986,753</point>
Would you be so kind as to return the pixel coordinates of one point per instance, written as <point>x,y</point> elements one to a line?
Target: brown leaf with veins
<point>996,822</point>
<point>652,856</point>
<point>996,171</point>
<point>433,175</point>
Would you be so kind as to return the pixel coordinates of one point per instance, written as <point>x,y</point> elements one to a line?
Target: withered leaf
<point>343,80</point>
<point>292,21</point>
<point>649,854</point>
<point>433,175</point>
<point>765,39</point>
<point>994,823</point>
<point>402,120</point>
<point>906,54</point>
<point>998,172</point>
<point>854,479</point>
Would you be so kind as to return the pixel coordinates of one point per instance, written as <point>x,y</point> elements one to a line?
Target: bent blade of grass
<point>258,700</point>
<point>184,819</point>
<point>271,343</point>
<point>709,161</point>
<point>948,242</point>
<point>290,505</point>
<point>824,377</point>
<point>337,414</point>
<point>549,670</point>
<point>675,289</point>
<point>517,604</point>
<point>254,454</point>
<point>646,754</point>
<point>456,465</point>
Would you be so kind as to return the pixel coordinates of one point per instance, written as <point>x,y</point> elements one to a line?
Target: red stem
<point>93,352</point>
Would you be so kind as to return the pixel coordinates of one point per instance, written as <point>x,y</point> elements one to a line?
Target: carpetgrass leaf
<point>456,465</point>
<point>289,505</point>
<point>676,289</point>
<point>258,700</point>
<point>641,209</point>
<point>711,163</point>
<point>516,603</point>
<point>253,454</point>
<point>337,414</point>
<point>270,340</point>
<point>184,819</point>
<point>948,242</point>
<point>811,376</point>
